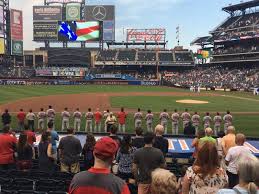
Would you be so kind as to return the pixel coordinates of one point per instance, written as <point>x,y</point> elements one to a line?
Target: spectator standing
<point>122,120</point>
<point>189,129</point>
<point>46,158</point>
<point>7,149</point>
<point>113,134</point>
<point>21,119</point>
<point>146,160</point>
<point>196,122</point>
<point>234,155</point>
<point>77,119</point>
<point>221,134</point>
<point>208,137</point>
<point>70,149</point>
<point>24,153</point>
<point>31,137</point>
<point>163,182</point>
<point>160,142</point>
<point>6,118</point>
<point>205,176</point>
<point>149,120</point>
<point>217,123</point>
<point>41,119</point>
<point>138,116</point>
<point>164,117</point>
<point>186,118</point>
<point>138,141</point>
<point>88,151</point>
<point>51,115</point>
<point>207,120</point>
<point>195,142</point>
<point>99,179</point>
<point>110,121</point>
<point>98,120</point>
<point>89,120</point>
<point>125,158</point>
<point>229,140</point>
<point>54,139</point>
<point>31,118</point>
<point>228,120</point>
<point>65,119</point>
<point>175,122</point>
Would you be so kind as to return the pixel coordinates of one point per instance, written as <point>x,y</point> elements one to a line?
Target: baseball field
<point>244,106</point>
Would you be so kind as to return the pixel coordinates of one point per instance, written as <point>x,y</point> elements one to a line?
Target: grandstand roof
<point>241,6</point>
<point>201,40</point>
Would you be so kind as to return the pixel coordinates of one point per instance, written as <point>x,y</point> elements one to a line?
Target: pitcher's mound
<point>192,102</point>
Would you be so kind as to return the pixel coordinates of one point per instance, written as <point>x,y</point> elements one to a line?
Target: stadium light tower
<point>6,26</point>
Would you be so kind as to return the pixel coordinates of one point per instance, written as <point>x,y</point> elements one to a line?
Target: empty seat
<point>50,185</point>
<point>36,175</point>
<point>5,183</point>
<point>57,192</point>
<point>22,184</point>
<point>30,192</point>
<point>63,176</point>
<point>8,192</point>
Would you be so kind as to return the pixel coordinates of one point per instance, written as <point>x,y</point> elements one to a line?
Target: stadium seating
<point>127,55</point>
<point>167,56</point>
<point>183,56</point>
<point>146,56</point>
<point>107,55</point>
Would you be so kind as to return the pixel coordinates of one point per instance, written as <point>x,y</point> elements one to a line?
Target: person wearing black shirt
<point>138,141</point>
<point>24,153</point>
<point>6,117</point>
<point>160,142</point>
<point>88,150</point>
<point>189,129</point>
<point>113,134</point>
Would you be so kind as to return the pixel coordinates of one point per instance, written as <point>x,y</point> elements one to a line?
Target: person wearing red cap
<point>99,179</point>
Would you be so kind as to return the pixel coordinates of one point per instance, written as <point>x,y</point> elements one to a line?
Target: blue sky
<point>195,17</point>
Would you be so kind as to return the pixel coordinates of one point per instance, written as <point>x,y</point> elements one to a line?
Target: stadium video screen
<point>79,31</point>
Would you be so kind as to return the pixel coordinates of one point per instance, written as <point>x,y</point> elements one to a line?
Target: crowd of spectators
<point>217,77</point>
<point>235,49</point>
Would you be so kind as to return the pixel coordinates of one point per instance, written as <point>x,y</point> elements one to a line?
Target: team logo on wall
<point>99,13</point>
<point>73,12</point>
<point>17,47</point>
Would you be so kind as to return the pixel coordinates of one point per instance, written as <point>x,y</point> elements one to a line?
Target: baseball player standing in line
<point>122,120</point>
<point>77,119</point>
<point>186,118</point>
<point>217,123</point>
<point>30,118</point>
<point>207,120</point>
<point>164,117</point>
<point>41,119</point>
<point>65,119</point>
<point>105,116</point>
<point>149,120</point>
<point>51,116</point>
<point>228,119</point>
<point>98,120</point>
<point>89,120</point>
<point>196,122</point>
<point>175,122</point>
<point>138,116</point>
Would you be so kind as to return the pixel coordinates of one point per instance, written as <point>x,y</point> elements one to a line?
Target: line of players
<point>96,118</point>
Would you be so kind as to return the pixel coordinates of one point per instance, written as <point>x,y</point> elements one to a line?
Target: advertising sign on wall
<point>17,47</point>
<point>73,12</point>
<point>47,13</point>
<point>16,25</point>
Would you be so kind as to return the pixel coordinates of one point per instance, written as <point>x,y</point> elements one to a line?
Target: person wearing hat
<point>99,179</point>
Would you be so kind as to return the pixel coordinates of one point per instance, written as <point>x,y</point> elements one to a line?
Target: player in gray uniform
<point>51,116</point>
<point>207,120</point>
<point>186,118</point>
<point>217,123</point>
<point>175,122</point>
<point>89,120</point>
<point>164,117</point>
<point>228,119</point>
<point>105,115</point>
<point>138,116</point>
<point>41,119</point>
<point>77,119</point>
<point>65,119</point>
<point>196,122</point>
<point>149,120</point>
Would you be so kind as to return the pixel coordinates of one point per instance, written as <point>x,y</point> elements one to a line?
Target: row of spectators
<point>236,49</point>
<point>217,77</point>
<point>16,72</point>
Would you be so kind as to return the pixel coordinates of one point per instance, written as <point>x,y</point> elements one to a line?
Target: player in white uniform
<point>207,120</point>
<point>217,123</point>
<point>89,120</point>
<point>196,119</point>
<point>149,120</point>
<point>105,115</point>
<point>164,117</point>
<point>31,118</point>
<point>65,119</point>
<point>228,119</point>
<point>186,118</point>
<point>77,119</point>
<point>51,116</point>
<point>41,119</point>
<point>138,116</point>
<point>175,122</point>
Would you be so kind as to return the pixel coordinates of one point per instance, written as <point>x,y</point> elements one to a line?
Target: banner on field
<point>16,25</point>
<point>73,12</point>
<point>17,47</point>
<point>2,46</point>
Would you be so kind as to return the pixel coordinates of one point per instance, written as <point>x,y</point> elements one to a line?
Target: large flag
<point>87,31</point>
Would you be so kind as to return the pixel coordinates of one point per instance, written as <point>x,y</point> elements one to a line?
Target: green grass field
<point>234,101</point>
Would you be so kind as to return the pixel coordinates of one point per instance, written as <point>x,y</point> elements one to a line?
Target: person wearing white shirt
<point>77,119</point>
<point>65,119</point>
<point>41,119</point>
<point>31,117</point>
<point>175,122</point>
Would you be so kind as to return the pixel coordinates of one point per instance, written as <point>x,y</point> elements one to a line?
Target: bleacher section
<point>127,55</point>
<point>146,56</point>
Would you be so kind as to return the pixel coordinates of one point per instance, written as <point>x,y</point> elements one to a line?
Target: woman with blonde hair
<point>248,172</point>
<point>205,176</point>
<point>163,182</point>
